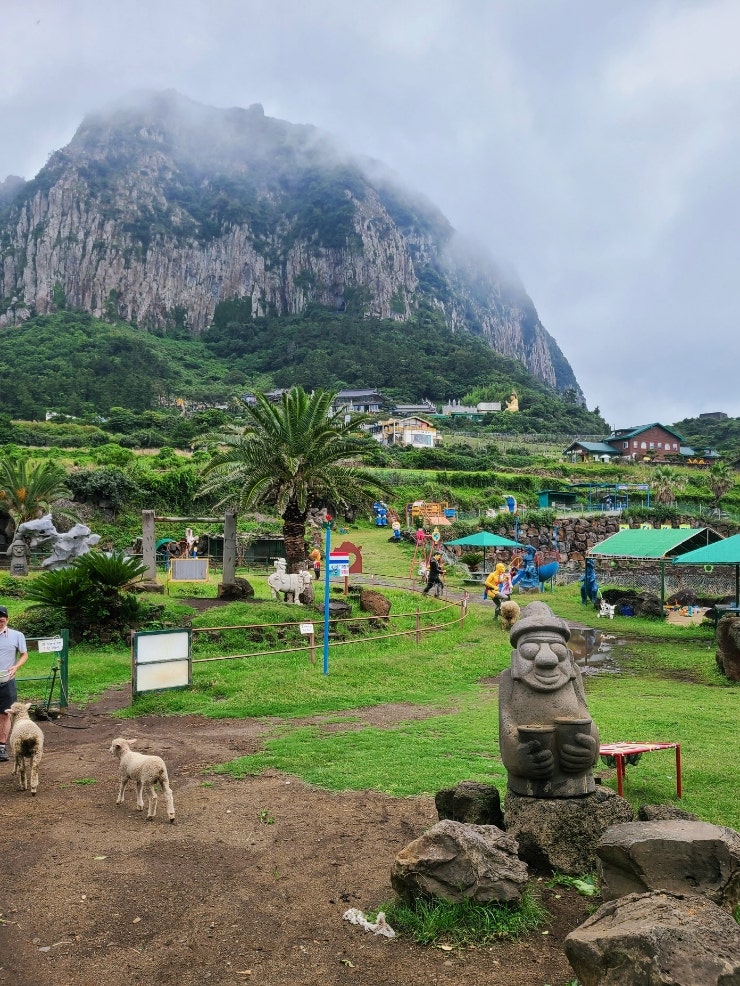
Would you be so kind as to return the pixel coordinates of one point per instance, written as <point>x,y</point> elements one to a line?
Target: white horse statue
<point>291,585</point>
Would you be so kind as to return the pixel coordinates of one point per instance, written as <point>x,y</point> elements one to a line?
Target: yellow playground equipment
<point>422,513</point>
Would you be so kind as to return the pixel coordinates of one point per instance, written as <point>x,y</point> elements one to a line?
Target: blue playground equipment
<point>535,571</point>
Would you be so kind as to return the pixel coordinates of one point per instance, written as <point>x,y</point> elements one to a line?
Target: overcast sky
<point>594,146</point>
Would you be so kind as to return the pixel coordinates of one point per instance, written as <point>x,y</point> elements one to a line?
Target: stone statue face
<point>542,660</point>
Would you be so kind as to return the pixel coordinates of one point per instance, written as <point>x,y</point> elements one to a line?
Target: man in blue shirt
<point>13,654</point>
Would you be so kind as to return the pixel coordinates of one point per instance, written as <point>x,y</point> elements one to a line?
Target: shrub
<point>471,558</point>
<point>91,593</point>
<point>109,485</point>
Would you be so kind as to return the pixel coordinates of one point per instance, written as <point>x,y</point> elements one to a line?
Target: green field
<point>667,689</point>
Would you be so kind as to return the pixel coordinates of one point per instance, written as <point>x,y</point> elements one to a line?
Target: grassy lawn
<point>667,689</point>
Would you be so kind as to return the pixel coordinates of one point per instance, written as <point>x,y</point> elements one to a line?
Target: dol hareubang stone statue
<point>549,743</point>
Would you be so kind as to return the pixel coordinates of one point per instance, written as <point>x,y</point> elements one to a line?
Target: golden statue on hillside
<point>513,402</point>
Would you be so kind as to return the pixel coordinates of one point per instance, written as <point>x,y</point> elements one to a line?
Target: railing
<point>58,649</point>
<point>416,631</point>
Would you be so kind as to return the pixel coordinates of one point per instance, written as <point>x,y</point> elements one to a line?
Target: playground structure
<point>612,497</point>
<point>424,547</point>
<point>422,513</point>
<point>535,568</point>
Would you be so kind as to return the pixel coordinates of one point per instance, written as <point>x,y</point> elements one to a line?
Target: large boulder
<point>646,939</point>
<point>662,813</point>
<point>675,855</point>
<point>561,833</point>
<point>470,802</point>
<point>150,585</point>
<point>234,591</point>
<point>372,601</point>
<point>457,862</point>
<point>728,647</point>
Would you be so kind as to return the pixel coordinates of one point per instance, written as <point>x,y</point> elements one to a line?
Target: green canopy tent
<point>651,544</point>
<point>484,539</point>
<point>725,552</point>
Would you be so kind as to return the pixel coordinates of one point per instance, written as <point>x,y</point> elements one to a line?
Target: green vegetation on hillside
<point>722,434</point>
<point>74,364</point>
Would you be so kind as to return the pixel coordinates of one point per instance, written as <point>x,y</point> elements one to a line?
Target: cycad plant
<point>29,489</point>
<point>92,594</point>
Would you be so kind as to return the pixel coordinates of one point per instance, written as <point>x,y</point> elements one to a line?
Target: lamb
<point>26,742</point>
<point>146,771</point>
<point>509,614</point>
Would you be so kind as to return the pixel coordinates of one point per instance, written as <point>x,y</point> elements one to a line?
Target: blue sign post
<point>327,550</point>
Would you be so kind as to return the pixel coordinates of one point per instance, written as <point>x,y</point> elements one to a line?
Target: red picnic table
<point>621,750</point>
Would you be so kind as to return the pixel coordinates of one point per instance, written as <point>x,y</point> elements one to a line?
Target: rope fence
<point>460,608</point>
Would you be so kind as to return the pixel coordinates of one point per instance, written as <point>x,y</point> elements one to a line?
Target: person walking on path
<point>13,654</point>
<point>435,574</point>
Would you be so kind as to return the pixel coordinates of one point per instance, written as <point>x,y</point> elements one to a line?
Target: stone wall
<point>577,534</point>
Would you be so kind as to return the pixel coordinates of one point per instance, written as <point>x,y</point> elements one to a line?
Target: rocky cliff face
<point>157,211</point>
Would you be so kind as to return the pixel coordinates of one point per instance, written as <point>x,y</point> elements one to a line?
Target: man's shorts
<point>8,694</point>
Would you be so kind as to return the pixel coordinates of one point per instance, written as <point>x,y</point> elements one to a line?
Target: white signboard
<point>189,570</point>
<point>307,628</point>
<point>51,644</point>
<point>153,647</point>
<point>162,659</point>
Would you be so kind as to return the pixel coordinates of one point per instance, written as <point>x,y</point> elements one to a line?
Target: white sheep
<point>146,771</point>
<point>26,743</point>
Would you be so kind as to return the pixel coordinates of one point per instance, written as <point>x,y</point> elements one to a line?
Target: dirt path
<point>249,885</point>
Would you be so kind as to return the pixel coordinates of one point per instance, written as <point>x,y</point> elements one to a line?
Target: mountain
<point>160,209</point>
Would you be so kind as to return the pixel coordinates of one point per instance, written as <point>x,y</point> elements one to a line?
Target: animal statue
<point>606,610</point>
<point>65,547</point>
<point>589,586</point>
<point>291,585</point>
<point>534,570</point>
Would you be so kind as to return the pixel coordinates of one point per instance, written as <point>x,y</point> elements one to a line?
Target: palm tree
<point>29,489</point>
<point>291,456</point>
<point>719,481</point>
<point>664,483</point>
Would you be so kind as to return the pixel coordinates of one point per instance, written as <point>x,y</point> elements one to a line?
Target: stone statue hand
<point>575,758</point>
<point>536,761</point>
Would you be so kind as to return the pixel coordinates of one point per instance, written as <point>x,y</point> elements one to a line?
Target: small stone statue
<point>19,553</point>
<point>549,743</point>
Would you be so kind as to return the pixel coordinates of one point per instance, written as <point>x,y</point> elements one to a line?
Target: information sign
<point>338,565</point>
